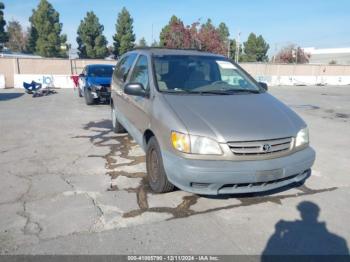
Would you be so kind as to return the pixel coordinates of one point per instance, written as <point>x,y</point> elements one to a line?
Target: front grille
<point>105,88</point>
<point>261,147</point>
<point>257,184</point>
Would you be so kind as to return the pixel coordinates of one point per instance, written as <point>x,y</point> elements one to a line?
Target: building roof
<point>320,51</point>
<point>327,55</point>
<point>19,55</point>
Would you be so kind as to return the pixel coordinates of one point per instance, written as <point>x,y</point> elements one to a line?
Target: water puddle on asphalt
<point>305,107</point>
<point>341,115</point>
<point>325,114</point>
<point>125,149</point>
<point>331,114</point>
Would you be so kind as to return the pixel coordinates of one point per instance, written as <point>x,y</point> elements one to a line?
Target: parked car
<point>206,125</point>
<point>95,83</point>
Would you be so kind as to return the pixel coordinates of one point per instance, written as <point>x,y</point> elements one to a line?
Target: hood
<point>241,117</point>
<point>99,80</point>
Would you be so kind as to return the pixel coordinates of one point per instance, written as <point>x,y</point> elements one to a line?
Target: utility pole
<point>228,48</point>
<point>294,54</point>
<point>237,47</point>
<point>152,35</point>
<point>276,52</point>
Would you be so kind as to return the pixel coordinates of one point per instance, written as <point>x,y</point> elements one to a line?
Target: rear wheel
<point>89,100</point>
<point>116,126</point>
<point>156,175</point>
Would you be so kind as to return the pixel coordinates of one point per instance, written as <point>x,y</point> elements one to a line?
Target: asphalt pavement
<point>69,185</point>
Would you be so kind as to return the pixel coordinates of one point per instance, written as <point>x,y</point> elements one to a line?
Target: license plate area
<point>269,175</point>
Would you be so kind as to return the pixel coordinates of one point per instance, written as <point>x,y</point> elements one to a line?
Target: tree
<point>124,39</point>
<point>262,48</point>
<point>211,39</point>
<point>91,41</point>
<point>142,42</point>
<point>255,49</point>
<point>165,30</point>
<point>110,49</point>
<point>233,49</point>
<point>45,32</point>
<point>195,36</point>
<point>176,35</point>
<point>3,34</point>
<point>32,35</point>
<point>208,24</point>
<point>224,32</point>
<point>292,54</point>
<point>17,38</point>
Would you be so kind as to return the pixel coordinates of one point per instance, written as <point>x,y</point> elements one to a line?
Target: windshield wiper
<point>226,92</point>
<point>213,92</point>
<point>244,91</point>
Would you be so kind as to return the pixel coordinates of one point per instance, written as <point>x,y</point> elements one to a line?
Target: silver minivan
<point>206,125</point>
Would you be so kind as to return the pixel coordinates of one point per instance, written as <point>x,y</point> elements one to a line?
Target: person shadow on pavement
<point>307,236</point>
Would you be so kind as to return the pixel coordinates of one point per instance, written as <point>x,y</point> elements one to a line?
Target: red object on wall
<point>75,79</point>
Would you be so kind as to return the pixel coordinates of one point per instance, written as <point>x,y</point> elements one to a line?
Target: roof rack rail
<point>158,47</point>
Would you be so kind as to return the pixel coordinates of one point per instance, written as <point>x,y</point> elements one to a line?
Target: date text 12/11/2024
<point>173,258</point>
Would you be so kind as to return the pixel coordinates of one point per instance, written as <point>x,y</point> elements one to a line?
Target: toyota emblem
<point>266,148</point>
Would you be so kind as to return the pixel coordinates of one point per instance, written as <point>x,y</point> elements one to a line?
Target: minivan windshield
<point>201,74</point>
<point>100,71</point>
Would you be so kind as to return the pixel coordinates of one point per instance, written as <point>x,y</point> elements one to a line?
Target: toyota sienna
<point>206,125</point>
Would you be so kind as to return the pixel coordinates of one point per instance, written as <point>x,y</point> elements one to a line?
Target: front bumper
<point>228,177</point>
<point>102,92</point>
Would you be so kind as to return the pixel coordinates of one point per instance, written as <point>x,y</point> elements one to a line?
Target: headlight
<point>195,144</point>
<point>302,137</point>
<point>95,87</point>
<point>204,146</point>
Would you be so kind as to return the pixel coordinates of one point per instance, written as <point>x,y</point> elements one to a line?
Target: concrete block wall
<point>273,74</point>
<point>10,67</point>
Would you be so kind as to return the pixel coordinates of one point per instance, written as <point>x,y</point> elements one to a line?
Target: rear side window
<point>140,72</point>
<point>123,68</point>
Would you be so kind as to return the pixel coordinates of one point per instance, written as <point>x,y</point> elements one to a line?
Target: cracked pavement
<point>71,186</point>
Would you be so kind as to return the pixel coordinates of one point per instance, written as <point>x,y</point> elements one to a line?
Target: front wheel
<point>89,100</point>
<point>156,175</point>
<point>116,126</point>
<point>79,92</point>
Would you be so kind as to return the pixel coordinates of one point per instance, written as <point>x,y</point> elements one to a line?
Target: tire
<point>97,100</point>
<point>116,126</point>
<point>79,92</point>
<point>156,175</point>
<point>89,100</point>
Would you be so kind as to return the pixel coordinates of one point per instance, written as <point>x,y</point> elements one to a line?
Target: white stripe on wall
<point>304,80</point>
<point>59,81</point>
<point>2,81</point>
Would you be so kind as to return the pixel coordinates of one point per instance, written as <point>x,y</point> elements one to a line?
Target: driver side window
<point>123,68</point>
<point>140,72</point>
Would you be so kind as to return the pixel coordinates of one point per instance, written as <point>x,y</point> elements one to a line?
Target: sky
<point>308,23</point>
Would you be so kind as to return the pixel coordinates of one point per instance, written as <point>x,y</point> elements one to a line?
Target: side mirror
<point>264,85</point>
<point>135,89</point>
<point>81,75</point>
